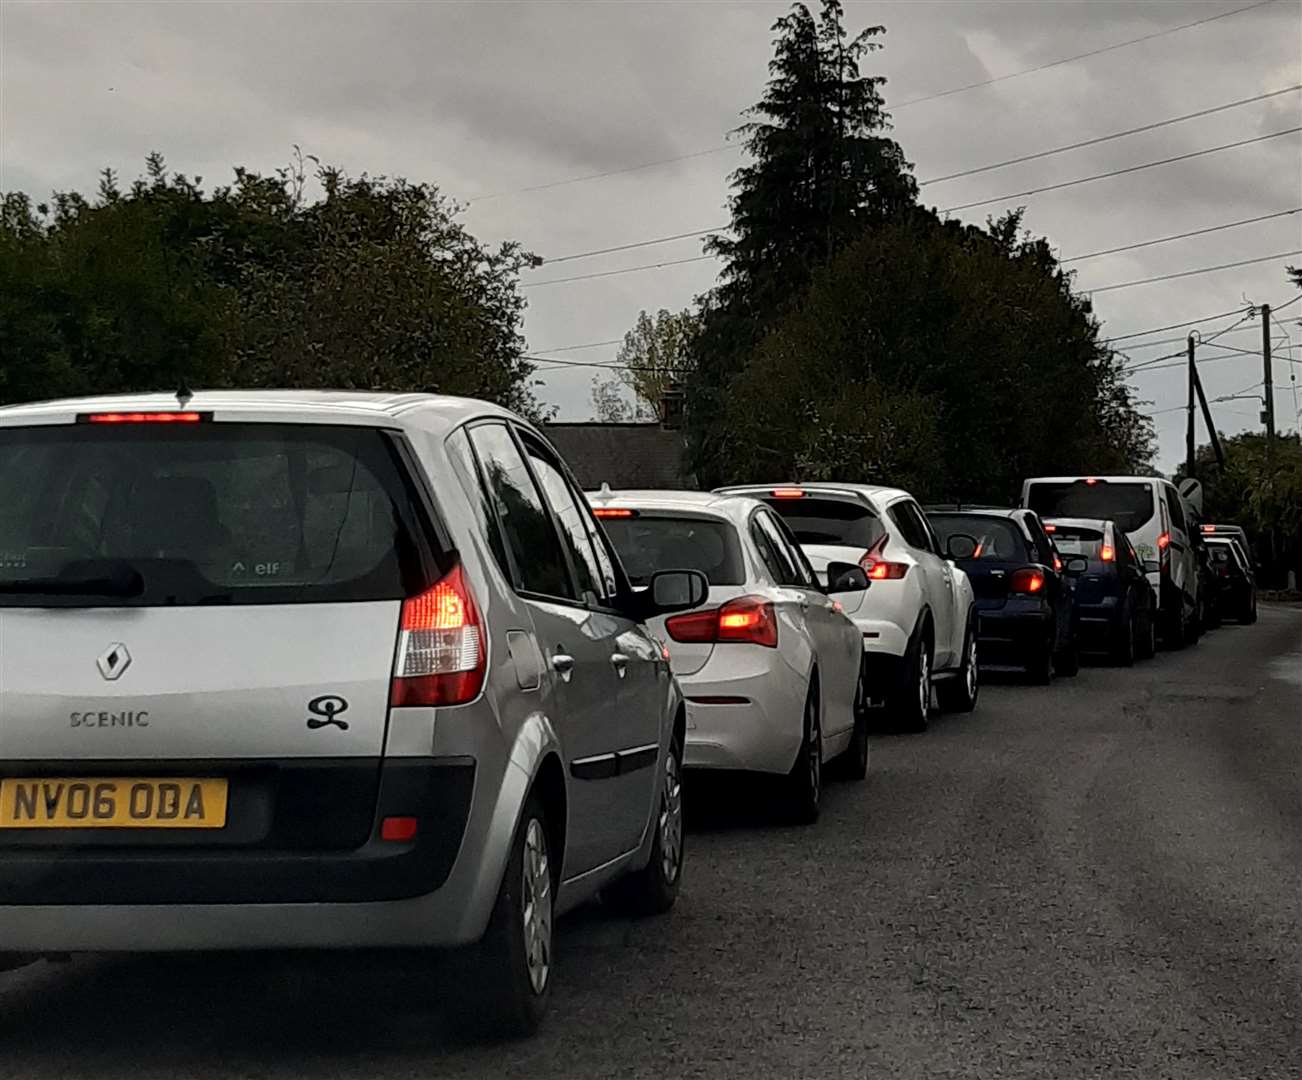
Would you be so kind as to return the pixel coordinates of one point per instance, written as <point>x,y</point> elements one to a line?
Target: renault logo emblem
<point>113,661</point>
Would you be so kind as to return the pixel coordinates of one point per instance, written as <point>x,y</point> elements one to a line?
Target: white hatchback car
<point>918,621</point>
<point>769,664</point>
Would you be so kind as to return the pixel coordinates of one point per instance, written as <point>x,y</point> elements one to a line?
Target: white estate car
<point>769,665</point>
<point>917,620</point>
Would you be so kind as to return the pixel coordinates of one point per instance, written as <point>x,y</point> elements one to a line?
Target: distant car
<point>918,621</point>
<point>769,664</point>
<point>1160,523</point>
<point>1212,530</point>
<point>1025,609</point>
<point>1114,602</point>
<point>323,670</point>
<point>1236,596</point>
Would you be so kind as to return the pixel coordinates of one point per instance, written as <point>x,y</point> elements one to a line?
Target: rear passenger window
<point>569,516</point>
<point>463,462</point>
<point>1174,507</point>
<point>908,519</point>
<point>773,551</point>
<point>530,536</point>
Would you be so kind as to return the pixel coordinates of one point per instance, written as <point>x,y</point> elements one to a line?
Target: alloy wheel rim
<point>924,683</point>
<point>537,894</point>
<point>972,669</point>
<point>671,819</point>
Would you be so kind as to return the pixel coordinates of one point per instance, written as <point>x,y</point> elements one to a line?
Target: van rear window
<point>205,514</point>
<point>1130,505</point>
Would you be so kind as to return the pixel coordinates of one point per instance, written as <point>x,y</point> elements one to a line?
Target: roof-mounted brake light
<point>144,418</point>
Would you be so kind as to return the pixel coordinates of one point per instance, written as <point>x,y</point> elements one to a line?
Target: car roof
<point>1097,476</point>
<point>294,406</point>
<point>984,511</point>
<point>713,504</point>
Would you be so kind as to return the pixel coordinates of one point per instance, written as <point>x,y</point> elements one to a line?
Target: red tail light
<point>613,512</point>
<point>1051,529</point>
<point>1057,564</point>
<point>879,569</point>
<point>1107,553</point>
<point>441,657</point>
<point>144,418</point>
<point>1164,541</point>
<point>748,620</point>
<point>1028,580</point>
<point>788,493</point>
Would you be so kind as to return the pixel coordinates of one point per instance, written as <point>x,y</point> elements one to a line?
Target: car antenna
<point>183,395</point>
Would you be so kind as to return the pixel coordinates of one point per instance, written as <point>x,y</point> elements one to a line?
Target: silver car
<point>319,670</point>
<point>770,664</point>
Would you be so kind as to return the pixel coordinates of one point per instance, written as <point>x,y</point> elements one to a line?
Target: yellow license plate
<point>95,803</point>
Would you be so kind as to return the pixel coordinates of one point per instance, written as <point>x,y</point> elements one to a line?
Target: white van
<point>1161,525</point>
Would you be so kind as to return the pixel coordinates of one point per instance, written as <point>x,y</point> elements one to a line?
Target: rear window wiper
<point>124,582</point>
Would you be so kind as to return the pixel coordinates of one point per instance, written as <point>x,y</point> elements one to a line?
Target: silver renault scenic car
<point>321,670</point>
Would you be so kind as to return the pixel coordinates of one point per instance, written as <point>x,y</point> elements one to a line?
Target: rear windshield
<point>998,539</point>
<point>1077,540</point>
<point>830,521</point>
<point>647,544</point>
<point>1129,505</point>
<point>204,514</point>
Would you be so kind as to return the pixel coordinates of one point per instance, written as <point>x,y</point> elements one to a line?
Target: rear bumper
<point>259,857</point>
<point>751,719</point>
<point>1007,635</point>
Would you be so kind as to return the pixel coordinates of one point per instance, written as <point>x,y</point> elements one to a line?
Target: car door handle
<point>620,663</point>
<point>563,665</point>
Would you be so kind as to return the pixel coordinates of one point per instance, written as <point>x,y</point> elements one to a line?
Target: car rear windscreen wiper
<point>123,582</point>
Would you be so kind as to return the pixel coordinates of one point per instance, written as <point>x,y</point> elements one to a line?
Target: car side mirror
<point>1075,566</point>
<point>961,546</point>
<point>846,577</point>
<point>674,590</point>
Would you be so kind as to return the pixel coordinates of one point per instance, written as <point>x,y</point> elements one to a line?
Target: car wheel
<point>1123,638</point>
<point>1177,631</point>
<point>1146,643</point>
<point>1067,663</point>
<point>509,974</point>
<point>911,703</point>
<point>805,781</point>
<point>1251,616</point>
<point>653,889</point>
<point>854,763</point>
<point>1039,665</point>
<point>959,694</point>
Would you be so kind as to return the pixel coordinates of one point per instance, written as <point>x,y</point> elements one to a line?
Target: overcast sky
<point>485,99</point>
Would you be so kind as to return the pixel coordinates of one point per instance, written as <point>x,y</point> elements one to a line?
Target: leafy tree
<point>949,358</point>
<point>608,401</point>
<point>821,171</point>
<point>375,286</point>
<point>656,355</point>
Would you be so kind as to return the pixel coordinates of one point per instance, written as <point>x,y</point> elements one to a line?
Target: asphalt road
<point>1102,878</point>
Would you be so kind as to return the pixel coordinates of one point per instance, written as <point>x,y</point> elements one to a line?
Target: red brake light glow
<point>788,493</point>
<point>613,512</point>
<point>1209,529</point>
<point>879,569</point>
<point>399,830</point>
<point>1051,529</point>
<point>1107,553</point>
<point>748,620</point>
<point>144,418</point>
<point>1164,541</point>
<point>1091,481</point>
<point>1027,580</point>
<point>1057,564</point>
<point>441,658</point>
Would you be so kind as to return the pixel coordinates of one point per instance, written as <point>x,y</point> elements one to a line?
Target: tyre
<point>1123,645</point>
<point>1039,665</point>
<point>1067,663</point>
<point>653,889</point>
<point>805,781</point>
<point>910,705</point>
<point>1146,642</point>
<point>1250,615</point>
<point>854,762</point>
<point>508,976</point>
<point>1176,631</point>
<point>959,694</point>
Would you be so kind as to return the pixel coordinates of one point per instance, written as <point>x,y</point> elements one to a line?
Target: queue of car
<point>339,670</point>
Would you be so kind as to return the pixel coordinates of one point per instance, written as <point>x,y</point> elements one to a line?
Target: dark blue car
<point>1025,609</point>
<point>1114,601</point>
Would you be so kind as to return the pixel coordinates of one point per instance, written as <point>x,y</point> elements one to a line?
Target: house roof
<point>644,456</point>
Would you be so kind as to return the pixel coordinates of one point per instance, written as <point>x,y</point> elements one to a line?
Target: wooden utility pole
<point>1269,381</point>
<point>1189,424</point>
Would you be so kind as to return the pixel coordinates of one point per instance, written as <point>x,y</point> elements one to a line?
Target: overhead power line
<point>1122,172</point>
<point>894,108</point>
<point>1192,273</point>
<point>964,206</point>
<point>614,273</point>
<point>1109,138</point>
